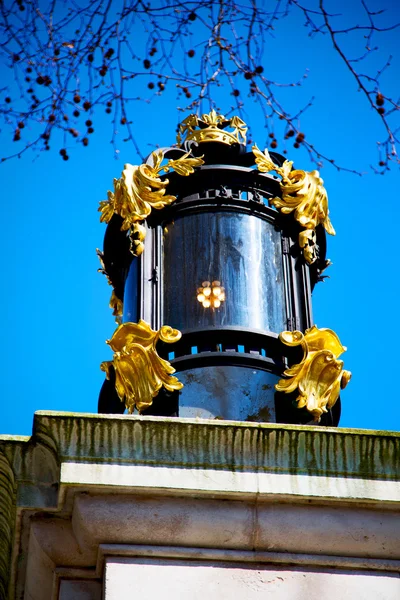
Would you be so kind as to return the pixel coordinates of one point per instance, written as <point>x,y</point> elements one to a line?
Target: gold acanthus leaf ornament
<point>320,375</point>
<point>302,192</point>
<point>140,189</point>
<point>139,371</point>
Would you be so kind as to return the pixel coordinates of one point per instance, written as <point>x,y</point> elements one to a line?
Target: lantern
<point>213,251</point>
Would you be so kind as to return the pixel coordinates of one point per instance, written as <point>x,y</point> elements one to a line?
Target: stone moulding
<point>229,445</point>
<point>7,521</point>
<point>29,478</point>
<point>136,466</point>
<point>245,556</point>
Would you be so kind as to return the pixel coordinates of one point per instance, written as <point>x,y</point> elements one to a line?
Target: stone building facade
<point>116,507</point>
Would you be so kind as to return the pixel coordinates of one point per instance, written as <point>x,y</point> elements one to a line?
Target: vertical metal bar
<point>157,281</point>
<point>307,296</point>
<point>147,262</point>
<point>287,276</point>
<point>298,291</point>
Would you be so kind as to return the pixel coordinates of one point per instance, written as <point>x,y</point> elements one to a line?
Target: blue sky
<point>54,305</point>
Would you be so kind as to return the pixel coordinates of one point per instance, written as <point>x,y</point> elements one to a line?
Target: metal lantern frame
<point>227,182</point>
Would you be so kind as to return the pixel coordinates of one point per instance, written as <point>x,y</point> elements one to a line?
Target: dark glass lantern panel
<point>131,294</point>
<point>223,269</point>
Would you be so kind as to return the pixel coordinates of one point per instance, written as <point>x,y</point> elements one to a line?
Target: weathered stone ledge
<point>82,481</point>
<point>226,445</point>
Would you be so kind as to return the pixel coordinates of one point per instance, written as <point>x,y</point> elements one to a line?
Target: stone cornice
<point>224,445</point>
<point>134,467</point>
<point>60,440</point>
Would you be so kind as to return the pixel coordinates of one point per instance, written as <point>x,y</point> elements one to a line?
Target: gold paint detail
<point>137,236</point>
<point>139,371</point>
<point>308,243</point>
<point>117,306</point>
<point>211,295</point>
<point>140,189</point>
<point>320,375</point>
<point>302,193</point>
<point>184,166</point>
<point>115,303</point>
<point>211,127</point>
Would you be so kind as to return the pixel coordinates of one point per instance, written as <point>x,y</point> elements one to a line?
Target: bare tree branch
<point>71,61</point>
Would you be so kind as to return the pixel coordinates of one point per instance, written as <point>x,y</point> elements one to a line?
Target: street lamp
<point>213,251</point>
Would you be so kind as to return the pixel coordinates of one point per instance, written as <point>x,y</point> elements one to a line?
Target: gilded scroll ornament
<point>140,189</point>
<point>302,193</point>
<point>320,375</point>
<point>139,371</point>
<point>211,127</point>
<point>184,166</point>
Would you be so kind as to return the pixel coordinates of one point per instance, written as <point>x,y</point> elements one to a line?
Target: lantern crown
<point>211,127</point>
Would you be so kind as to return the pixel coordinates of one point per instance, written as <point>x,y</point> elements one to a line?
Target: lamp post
<point>213,251</point>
